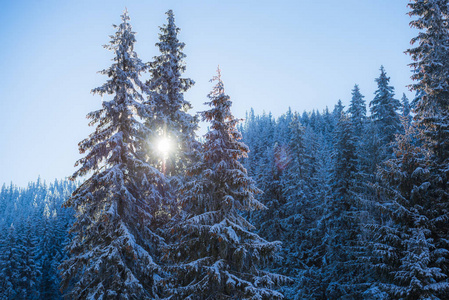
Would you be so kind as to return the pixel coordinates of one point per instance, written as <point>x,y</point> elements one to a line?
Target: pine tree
<point>384,112</point>
<point>357,111</point>
<point>171,120</point>
<point>405,254</point>
<point>303,206</point>
<point>338,109</point>
<point>357,115</point>
<point>430,72</point>
<point>341,221</point>
<point>111,253</point>
<point>218,257</point>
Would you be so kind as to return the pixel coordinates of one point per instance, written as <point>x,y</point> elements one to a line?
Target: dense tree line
<point>348,203</point>
<point>374,225</point>
<point>317,171</point>
<point>34,230</point>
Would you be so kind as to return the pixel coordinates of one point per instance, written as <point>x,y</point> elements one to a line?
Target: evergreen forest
<point>351,202</point>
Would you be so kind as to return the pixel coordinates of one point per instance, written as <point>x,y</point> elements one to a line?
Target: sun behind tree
<point>112,251</point>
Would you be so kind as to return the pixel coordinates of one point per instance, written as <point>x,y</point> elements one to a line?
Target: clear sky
<point>301,54</point>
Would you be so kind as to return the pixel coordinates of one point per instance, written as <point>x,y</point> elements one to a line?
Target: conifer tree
<point>218,257</point>
<point>384,113</point>
<point>357,111</point>
<point>430,72</point>
<point>405,255</point>
<point>303,205</point>
<point>357,115</point>
<point>412,243</point>
<point>111,253</point>
<point>171,120</point>
<point>338,109</point>
<point>340,221</point>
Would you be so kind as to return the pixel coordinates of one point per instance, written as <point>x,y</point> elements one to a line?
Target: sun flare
<point>164,145</point>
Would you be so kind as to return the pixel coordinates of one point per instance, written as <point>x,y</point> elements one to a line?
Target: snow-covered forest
<point>33,235</point>
<point>345,203</point>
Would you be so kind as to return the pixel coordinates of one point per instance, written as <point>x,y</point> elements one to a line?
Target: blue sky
<point>273,55</point>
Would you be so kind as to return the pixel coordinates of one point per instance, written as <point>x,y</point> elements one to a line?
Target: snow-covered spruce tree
<point>431,72</point>
<point>340,222</point>
<point>171,119</point>
<point>338,109</point>
<point>360,125</point>
<point>357,111</point>
<point>431,107</point>
<point>111,252</point>
<point>217,256</point>
<point>384,112</point>
<point>404,253</point>
<point>303,206</point>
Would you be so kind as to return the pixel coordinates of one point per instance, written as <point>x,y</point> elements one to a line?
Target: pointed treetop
<point>218,77</point>
<point>171,20</point>
<point>219,87</point>
<point>356,93</point>
<point>125,17</point>
<point>338,109</point>
<point>383,75</point>
<point>170,15</point>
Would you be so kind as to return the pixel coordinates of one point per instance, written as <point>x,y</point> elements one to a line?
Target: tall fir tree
<point>171,120</point>
<point>338,109</point>
<point>430,74</point>
<point>217,256</point>
<point>341,219</point>
<point>357,116</point>
<point>357,111</point>
<point>384,112</point>
<point>404,253</point>
<point>112,250</point>
<point>431,70</point>
<point>303,195</point>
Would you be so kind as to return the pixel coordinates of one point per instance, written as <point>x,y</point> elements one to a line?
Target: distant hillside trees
<point>34,230</point>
